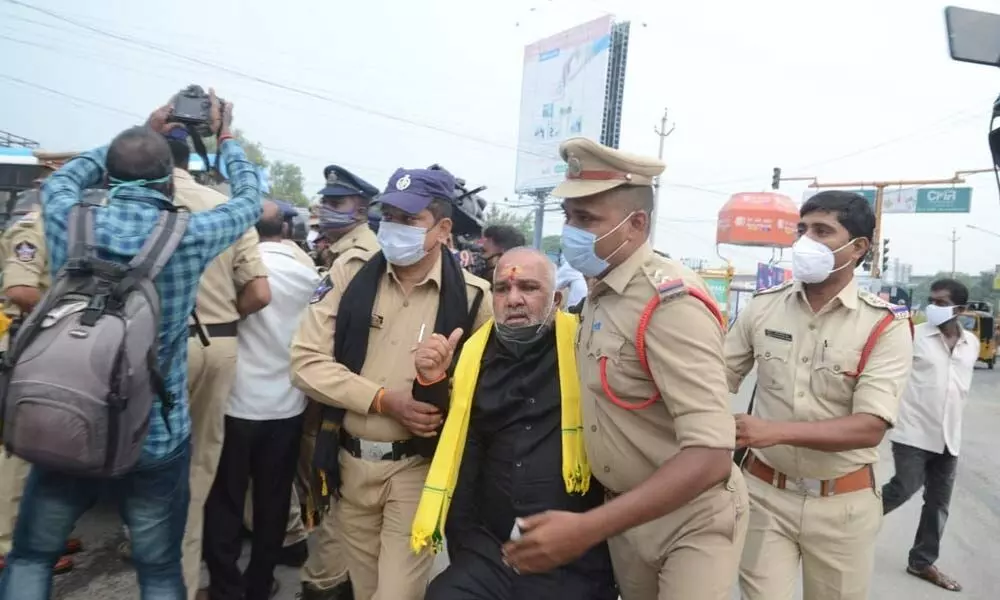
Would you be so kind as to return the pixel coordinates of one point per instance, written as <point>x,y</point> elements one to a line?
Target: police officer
<point>657,424</point>
<point>832,361</point>
<point>343,212</point>
<point>233,285</point>
<point>383,304</point>
<point>26,278</point>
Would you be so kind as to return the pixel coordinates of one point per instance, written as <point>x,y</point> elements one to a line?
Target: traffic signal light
<point>776,178</point>
<point>885,255</point>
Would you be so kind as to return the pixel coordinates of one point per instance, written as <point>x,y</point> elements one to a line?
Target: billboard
<point>769,276</point>
<point>563,94</point>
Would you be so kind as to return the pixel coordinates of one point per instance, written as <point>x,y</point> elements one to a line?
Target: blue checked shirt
<point>122,227</point>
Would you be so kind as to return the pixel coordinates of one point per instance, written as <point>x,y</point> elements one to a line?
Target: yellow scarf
<point>428,524</point>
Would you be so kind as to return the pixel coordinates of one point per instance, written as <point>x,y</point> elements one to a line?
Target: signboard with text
<point>916,200</point>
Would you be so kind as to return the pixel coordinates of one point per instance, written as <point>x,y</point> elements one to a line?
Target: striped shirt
<point>122,227</point>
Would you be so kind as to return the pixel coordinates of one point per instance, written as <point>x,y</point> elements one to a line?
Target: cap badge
<point>573,166</point>
<point>331,179</point>
<point>403,183</point>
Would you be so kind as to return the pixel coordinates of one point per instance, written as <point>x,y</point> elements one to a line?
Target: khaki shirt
<point>396,324</point>
<point>300,254</point>
<point>24,258</point>
<point>230,271</point>
<point>684,352</point>
<point>803,360</point>
<point>359,238</point>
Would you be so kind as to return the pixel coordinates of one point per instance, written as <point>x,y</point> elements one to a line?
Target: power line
<point>269,83</point>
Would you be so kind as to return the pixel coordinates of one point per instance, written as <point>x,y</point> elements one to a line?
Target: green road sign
<point>922,200</point>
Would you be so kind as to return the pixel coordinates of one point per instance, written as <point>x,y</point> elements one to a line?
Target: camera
<point>193,107</point>
<point>470,207</point>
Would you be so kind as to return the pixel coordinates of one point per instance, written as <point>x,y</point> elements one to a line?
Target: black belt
<point>216,330</point>
<point>364,449</point>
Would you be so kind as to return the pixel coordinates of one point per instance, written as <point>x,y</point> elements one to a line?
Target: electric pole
<point>954,242</point>
<point>663,133</point>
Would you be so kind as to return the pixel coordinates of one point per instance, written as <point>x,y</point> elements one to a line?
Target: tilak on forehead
<point>509,272</point>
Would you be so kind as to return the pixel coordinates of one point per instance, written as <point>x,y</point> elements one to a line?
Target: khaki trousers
<point>210,378</point>
<point>833,537</point>
<point>692,553</point>
<point>375,513</point>
<point>13,474</point>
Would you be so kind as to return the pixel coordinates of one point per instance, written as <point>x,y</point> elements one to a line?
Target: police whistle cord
<point>665,291</point>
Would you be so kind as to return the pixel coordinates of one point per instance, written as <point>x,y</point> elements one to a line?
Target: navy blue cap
<point>341,182</point>
<point>411,190</point>
<point>287,209</point>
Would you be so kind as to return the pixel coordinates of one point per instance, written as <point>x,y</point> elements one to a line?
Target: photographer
<point>154,494</point>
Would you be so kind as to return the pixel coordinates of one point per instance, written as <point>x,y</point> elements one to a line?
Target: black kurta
<point>512,467</point>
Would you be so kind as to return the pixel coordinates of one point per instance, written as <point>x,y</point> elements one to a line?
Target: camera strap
<point>202,151</point>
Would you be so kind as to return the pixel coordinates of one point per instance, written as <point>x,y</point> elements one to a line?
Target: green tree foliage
<point>980,287</point>
<point>495,215</point>
<point>552,244</point>
<point>287,182</point>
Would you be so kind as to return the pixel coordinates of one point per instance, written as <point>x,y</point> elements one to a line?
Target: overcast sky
<point>845,91</point>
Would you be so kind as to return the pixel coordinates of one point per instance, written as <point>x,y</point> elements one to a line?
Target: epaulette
<point>899,312</point>
<point>671,289</point>
<point>775,288</point>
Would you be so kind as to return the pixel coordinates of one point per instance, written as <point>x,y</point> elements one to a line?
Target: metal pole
<point>662,133</point>
<point>954,244</point>
<point>539,217</point>
<point>876,243</point>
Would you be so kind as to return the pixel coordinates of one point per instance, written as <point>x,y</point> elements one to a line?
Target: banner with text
<point>915,200</point>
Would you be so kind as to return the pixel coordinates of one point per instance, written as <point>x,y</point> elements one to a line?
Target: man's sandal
<point>933,575</point>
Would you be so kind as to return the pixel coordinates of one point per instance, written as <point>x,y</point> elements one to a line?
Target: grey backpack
<point>81,377</point>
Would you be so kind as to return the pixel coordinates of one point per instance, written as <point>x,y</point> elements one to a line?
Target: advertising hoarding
<point>563,94</point>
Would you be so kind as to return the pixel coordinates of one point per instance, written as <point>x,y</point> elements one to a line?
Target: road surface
<point>969,549</point>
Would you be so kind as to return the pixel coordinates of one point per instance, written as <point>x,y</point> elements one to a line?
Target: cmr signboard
<point>916,200</point>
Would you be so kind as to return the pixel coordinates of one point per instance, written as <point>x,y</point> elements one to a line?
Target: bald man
<point>513,462</point>
<point>263,427</point>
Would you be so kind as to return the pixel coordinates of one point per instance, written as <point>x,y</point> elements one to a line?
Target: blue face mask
<point>402,245</point>
<point>578,248</point>
<point>335,219</point>
<point>117,184</point>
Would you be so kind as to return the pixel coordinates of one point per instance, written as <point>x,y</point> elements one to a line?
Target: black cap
<point>341,182</point>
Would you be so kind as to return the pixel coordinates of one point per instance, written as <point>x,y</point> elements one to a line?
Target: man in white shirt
<point>263,428</point>
<point>928,432</point>
<point>571,283</point>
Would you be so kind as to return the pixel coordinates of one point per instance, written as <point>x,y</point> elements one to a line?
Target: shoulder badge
<point>322,290</point>
<point>900,312</point>
<point>775,288</point>
<point>671,289</point>
<point>26,251</point>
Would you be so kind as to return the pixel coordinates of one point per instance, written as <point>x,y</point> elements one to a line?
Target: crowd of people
<point>558,429</point>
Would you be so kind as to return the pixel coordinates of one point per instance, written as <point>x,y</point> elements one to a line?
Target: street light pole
<point>954,241</point>
<point>663,133</point>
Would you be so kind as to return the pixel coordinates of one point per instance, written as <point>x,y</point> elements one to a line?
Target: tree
<point>552,244</point>
<point>287,182</point>
<point>498,216</point>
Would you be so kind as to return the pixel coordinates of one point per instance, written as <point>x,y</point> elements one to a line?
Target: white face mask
<point>812,261</point>
<point>939,315</point>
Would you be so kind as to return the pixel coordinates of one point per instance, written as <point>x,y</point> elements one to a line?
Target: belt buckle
<point>374,450</point>
<point>812,488</point>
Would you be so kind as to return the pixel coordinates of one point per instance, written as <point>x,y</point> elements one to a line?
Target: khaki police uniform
<point>693,552</point>
<point>25,263</point>
<point>378,498</point>
<point>211,369</point>
<point>326,567</point>
<point>361,237</point>
<point>820,508</point>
